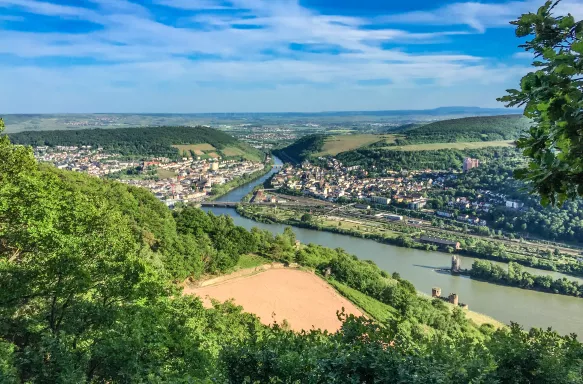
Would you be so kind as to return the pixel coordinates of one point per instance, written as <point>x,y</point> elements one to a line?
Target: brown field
<point>196,148</point>
<point>463,145</point>
<point>336,144</point>
<point>301,298</point>
<point>214,155</point>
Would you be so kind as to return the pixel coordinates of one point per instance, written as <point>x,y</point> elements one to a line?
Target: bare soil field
<point>461,145</point>
<point>301,298</point>
<point>336,144</point>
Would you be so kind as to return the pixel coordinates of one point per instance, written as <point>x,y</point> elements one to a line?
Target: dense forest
<point>148,141</point>
<point>88,293</point>
<point>377,160</point>
<point>302,148</point>
<point>517,277</point>
<point>480,128</point>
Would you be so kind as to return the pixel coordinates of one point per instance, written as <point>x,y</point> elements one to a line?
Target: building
<point>361,206</point>
<point>442,243</point>
<point>215,166</point>
<point>418,204</point>
<point>394,217</point>
<point>470,163</point>
<point>380,200</point>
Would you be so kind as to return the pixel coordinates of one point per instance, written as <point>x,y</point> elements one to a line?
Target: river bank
<point>240,181</point>
<point>506,304</point>
<point>395,234</point>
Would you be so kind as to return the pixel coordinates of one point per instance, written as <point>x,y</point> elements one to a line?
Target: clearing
<point>197,149</point>
<point>461,145</point>
<point>301,298</point>
<point>239,152</point>
<point>336,144</point>
<point>165,173</point>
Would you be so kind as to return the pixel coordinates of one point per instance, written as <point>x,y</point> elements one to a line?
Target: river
<point>506,304</point>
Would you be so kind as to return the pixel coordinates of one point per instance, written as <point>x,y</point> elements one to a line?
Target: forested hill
<point>481,128</point>
<point>152,141</point>
<point>302,148</point>
<point>495,129</point>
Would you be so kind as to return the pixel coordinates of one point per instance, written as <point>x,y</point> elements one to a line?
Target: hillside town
<point>187,180</point>
<point>412,190</point>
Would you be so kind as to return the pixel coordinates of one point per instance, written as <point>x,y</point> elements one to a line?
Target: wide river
<point>529,308</point>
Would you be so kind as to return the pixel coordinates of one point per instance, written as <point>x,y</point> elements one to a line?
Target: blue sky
<point>258,55</point>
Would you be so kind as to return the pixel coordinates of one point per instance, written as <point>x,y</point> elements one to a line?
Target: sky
<point>196,56</point>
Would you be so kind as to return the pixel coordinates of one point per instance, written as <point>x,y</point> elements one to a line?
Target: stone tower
<point>455,264</point>
<point>453,298</point>
<point>436,292</point>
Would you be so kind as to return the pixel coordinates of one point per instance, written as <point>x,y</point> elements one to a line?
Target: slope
<point>148,141</point>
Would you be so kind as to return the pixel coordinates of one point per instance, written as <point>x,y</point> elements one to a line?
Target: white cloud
<point>134,48</point>
<point>479,15</point>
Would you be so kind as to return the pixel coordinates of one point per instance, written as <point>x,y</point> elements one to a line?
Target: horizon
<point>511,111</point>
<point>274,56</point>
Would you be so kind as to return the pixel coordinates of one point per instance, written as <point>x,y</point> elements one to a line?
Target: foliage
<point>83,297</point>
<point>480,128</point>
<point>146,141</point>
<point>364,352</point>
<point>517,277</point>
<point>553,97</point>
<point>302,148</point>
<point>563,223</point>
<point>377,160</point>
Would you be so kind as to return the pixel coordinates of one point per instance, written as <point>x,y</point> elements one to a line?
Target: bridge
<point>220,204</point>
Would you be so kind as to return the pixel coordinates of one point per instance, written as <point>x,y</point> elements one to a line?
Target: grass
<point>461,145</point>
<point>235,151</point>
<point>374,308</point>
<point>165,173</point>
<point>336,144</point>
<point>196,148</point>
<point>250,261</point>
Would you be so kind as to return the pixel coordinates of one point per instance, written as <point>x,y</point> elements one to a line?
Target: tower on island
<point>455,264</point>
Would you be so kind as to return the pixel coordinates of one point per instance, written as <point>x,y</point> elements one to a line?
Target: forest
<point>480,128</point>
<point>515,276</point>
<point>377,160</point>
<point>557,223</point>
<point>148,141</point>
<point>302,148</point>
<point>89,273</point>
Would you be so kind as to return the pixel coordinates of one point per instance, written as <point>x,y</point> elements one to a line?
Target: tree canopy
<point>552,96</point>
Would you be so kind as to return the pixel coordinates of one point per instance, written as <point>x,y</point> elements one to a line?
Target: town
<point>411,190</point>
<point>187,180</point>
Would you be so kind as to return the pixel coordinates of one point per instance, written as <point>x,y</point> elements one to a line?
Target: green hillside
<point>302,148</point>
<point>481,128</point>
<point>455,134</point>
<point>148,141</point>
<point>90,274</point>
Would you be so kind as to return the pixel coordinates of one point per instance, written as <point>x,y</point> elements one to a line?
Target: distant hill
<point>302,148</point>
<point>480,128</point>
<point>147,141</point>
<point>74,121</point>
<point>491,131</point>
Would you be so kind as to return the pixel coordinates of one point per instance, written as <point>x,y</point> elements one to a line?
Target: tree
<point>553,98</point>
<point>306,218</point>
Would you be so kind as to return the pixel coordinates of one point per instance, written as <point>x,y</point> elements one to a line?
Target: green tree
<point>307,218</point>
<point>552,96</point>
